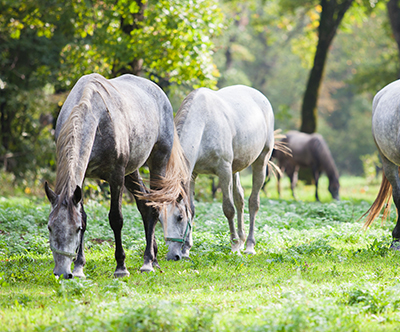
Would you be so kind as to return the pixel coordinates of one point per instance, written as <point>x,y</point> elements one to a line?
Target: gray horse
<point>310,151</point>
<point>385,130</point>
<point>221,133</point>
<point>107,129</point>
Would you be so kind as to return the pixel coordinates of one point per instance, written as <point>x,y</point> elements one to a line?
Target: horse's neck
<point>191,145</point>
<point>330,168</point>
<point>74,146</point>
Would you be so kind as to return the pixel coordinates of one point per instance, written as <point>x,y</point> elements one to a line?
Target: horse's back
<point>242,109</point>
<point>298,142</point>
<point>124,119</point>
<point>386,121</point>
<point>306,148</point>
<point>126,91</point>
<point>234,123</point>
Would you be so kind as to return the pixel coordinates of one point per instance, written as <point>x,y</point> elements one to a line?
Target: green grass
<point>315,270</point>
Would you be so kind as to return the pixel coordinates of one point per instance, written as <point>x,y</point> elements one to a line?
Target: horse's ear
<point>77,196</point>
<point>51,195</point>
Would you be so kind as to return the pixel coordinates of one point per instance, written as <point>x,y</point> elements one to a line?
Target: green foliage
<point>314,271</point>
<point>370,164</point>
<point>170,44</point>
<point>46,46</point>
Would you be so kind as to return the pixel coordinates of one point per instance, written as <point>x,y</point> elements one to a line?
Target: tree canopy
<point>46,45</point>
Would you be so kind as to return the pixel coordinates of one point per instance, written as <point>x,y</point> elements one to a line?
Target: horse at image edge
<point>385,130</point>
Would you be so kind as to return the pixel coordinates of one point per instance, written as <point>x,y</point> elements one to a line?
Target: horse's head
<point>177,223</point>
<point>66,227</point>
<point>334,188</point>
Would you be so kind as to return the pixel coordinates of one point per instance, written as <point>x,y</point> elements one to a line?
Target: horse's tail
<point>384,195</point>
<point>281,146</point>
<point>174,185</point>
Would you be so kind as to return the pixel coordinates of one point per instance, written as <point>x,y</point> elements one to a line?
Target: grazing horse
<point>107,129</point>
<point>385,130</point>
<point>311,151</point>
<point>221,133</point>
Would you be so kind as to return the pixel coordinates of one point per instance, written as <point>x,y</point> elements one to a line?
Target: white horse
<point>107,129</point>
<point>221,133</point>
<point>385,130</point>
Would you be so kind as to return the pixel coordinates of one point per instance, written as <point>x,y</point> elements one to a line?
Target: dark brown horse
<point>310,151</point>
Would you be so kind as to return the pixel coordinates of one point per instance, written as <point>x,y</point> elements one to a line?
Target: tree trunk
<point>393,7</point>
<point>5,126</point>
<point>331,16</point>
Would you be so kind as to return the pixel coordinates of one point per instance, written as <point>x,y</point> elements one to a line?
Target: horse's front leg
<point>392,174</point>
<point>225,180</point>
<point>292,171</point>
<point>134,184</point>
<point>116,223</point>
<point>316,175</point>
<point>80,260</point>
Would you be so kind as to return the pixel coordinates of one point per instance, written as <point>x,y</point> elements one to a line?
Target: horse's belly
<point>385,129</point>
<point>246,155</point>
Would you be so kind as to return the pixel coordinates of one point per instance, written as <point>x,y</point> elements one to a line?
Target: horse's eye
<point>79,229</point>
<point>49,228</point>
<point>180,218</point>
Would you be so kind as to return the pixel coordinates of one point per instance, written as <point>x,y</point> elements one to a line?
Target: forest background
<point>271,45</point>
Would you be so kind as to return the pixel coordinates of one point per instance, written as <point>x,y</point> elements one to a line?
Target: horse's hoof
<point>147,268</point>
<point>156,265</point>
<point>395,245</point>
<point>78,273</point>
<point>121,273</point>
<point>236,252</point>
<point>250,251</point>
<point>237,245</point>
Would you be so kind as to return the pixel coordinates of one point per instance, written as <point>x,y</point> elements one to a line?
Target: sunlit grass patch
<point>315,269</point>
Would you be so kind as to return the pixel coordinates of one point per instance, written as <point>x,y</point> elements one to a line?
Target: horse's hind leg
<point>225,180</point>
<point>238,196</point>
<point>134,184</point>
<point>293,174</point>
<point>392,174</point>
<point>278,184</point>
<point>116,221</point>
<point>254,201</point>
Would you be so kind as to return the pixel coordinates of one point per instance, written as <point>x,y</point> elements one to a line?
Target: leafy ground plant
<point>315,270</point>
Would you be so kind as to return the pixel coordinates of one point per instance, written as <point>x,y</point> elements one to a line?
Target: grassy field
<point>315,270</point>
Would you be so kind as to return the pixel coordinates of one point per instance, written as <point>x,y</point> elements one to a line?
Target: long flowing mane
<point>70,163</point>
<point>174,184</point>
<point>183,111</point>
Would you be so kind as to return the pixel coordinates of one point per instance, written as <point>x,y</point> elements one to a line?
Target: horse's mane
<point>322,154</point>
<point>69,140</point>
<point>184,110</point>
<point>174,185</point>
